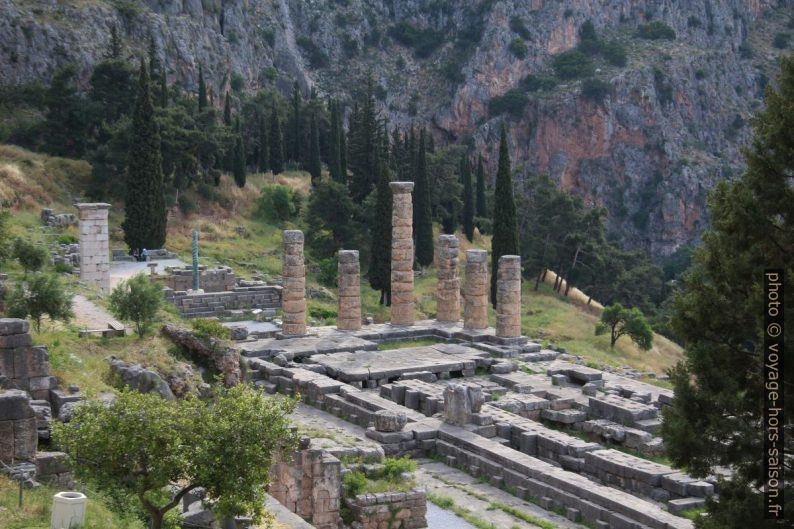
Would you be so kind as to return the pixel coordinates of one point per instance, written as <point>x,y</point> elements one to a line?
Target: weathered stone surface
<point>214,351</point>
<point>402,254</point>
<point>475,311</point>
<point>142,380</point>
<point>508,297</point>
<point>390,421</point>
<point>294,284</point>
<point>448,288</point>
<point>349,291</point>
<point>460,402</point>
<point>94,248</point>
<point>238,333</point>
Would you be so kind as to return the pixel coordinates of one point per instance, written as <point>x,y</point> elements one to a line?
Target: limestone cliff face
<point>671,126</point>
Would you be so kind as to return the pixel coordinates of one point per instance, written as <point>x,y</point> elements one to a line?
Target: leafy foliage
<point>620,321</point>
<point>331,214</point>
<point>423,220</point>
<point>42,294</point>
<point>513,102</point>
<point>518,48</point>
<point>656,30</point>
<point>276,203</point>
<point>210,329</point>
<point>595,89</point>
<point>573,65</point>
<point>137,299</point>
<point>142,444</point>
<point>30,255</point>
<point>423,41</point>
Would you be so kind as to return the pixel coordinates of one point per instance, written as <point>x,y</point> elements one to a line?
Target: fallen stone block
<point>680,505</point>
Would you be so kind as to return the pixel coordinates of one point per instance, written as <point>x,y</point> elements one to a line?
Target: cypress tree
<point>505,224</point>
<point>154,62</point>
<point>264,145</point>
<point>482,209</point>
<point>423,222</point>
<point>335,145</point>
<point>342,149</point>
<point>239,162</point>
<point>202,91</point>
<point>315,165</point>
<point>295,125</point>
<point>380,243</point>
<point>468,198</point>
<point>145,213</point>
<point>276,143</point>
<point>114,50</point>
<point>362,146</point>
<point>227,110</point>
<point>163,87</point>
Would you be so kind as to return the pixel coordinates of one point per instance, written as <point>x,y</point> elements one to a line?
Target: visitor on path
<point>145,255</point>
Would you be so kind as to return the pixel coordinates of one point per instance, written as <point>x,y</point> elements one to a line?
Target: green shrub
<point>423,41</point>
<point>595,89</point>
<point>328,272</point>
<point>137,299</point>
<point>186,204</point>
<point>518,48</point>
<point>519,27</point>
<point>656,30</point>
<point>209,329</point>
<point>316,56</point>
<point>693,22</point>
<point>484,224</point>
<point>781,40</point>
<point>62,267</point>
<point>321,313</point>
<point>700,74</point>
<point>277,203</point>
<point>513,102</point>
<point>614,53</point>
<point>393,468</point>
<point>67,238</point>
<point>663,87</point>
<point>534,83</point>
<point>355,483</point>
<point>30,255</point>
<point>573,65</point>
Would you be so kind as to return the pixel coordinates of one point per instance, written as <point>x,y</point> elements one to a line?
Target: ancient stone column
<point>475,291</point>
<point>508,297</point>
<point>448,289</point>
<point>402,254</point>
<point>94,245</point>
<point>348,317</point>
<point>293,293</point>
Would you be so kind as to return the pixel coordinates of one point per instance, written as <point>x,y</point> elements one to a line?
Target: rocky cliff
<point>670,124</point>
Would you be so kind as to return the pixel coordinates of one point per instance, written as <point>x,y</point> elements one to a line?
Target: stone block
<point>15,405</point>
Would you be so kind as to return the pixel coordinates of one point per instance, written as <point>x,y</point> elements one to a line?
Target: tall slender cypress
<point>342,149</point>
<point>334,144</point>
<point>227,110</point>
<point>315,165</point>
<point>276,143</point>
<point>295,125</point>
<point>468,198</point>
<point>202,90</point>
<point>505,223</point>
<point>362,146</point>
<point>264,144</point>
<point>482,208</point>
<point>163,87</point>
<point>380,245</point>
<point>145,213</point>
<point>239,161</point>
<point>423,222</point>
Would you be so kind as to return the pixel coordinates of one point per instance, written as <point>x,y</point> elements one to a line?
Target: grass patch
<point>447,503</point>
<point>522,515</point>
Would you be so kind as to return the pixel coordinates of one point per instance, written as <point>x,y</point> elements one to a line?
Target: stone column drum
<point>475,291</point>
<point>402,254</point>
<point>94,245</point>
<point>348,316</point>
<point>508,297</point>
<point>293,293</point>
<point>448,289</point>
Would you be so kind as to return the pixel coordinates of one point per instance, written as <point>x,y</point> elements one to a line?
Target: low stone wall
<point>392,510</point>
<point>23,366</point>
<point>220,279</point>
<point>220,303</point>
<point>310,486</point>
<point>18,433</point>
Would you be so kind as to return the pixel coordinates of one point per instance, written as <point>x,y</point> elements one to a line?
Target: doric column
<point>448,289</point>
<point>348,317</point>
<point>475,311</point>
<point>402,254</point>
<point>508,297</point>
<point>94,245</point>
<point>293,293</point>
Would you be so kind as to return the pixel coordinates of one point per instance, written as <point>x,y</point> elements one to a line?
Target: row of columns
<point>475,291</point>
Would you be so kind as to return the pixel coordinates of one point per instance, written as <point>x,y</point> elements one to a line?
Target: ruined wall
<point>395,510</point>
<point>218,303</point>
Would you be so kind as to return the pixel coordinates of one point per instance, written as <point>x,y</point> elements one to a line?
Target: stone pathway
<point>441,479</point>
<point>88,315</point>
<point>121,270</point>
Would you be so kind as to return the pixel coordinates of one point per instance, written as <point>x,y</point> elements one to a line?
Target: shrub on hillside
<point>535,83</point>
<point>595,89</point>
<point>276,203</point>
<point>210,329</point>
<point>781,40</point>
<point>656,30</point>
<point>137,299</point>
<point>573,65</point>
<point>31,256</point>
<point>423,41</point>
<point>518,48</point>
<point>512,102</point>
<point>519,27</point>
<point>614,53</point>
<point>43,294</point>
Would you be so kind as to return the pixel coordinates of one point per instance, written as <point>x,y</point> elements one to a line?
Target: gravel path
<point>88,315</point>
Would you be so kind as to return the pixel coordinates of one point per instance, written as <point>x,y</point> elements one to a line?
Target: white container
<point>68,510</point>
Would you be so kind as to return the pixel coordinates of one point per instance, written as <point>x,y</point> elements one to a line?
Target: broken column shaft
<point>348,316</point>
<point>475,311</point>
<point>402,254</point>
<point>448,289</point>
<point>508,297</point>
<point>293,293</point>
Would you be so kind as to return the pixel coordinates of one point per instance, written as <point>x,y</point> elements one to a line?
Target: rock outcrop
<point>211,350</point>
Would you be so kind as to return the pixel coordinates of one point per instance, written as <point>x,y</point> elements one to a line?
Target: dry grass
<point>575,295</point>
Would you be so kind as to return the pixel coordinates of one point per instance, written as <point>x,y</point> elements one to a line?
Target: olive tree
<point>42,294</point>
<point>31,256</point>
<point>137,299</point>
<point>620,321</point>
<point>159,450</point>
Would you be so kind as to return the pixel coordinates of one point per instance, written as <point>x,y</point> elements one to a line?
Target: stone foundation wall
<point>219,303</point>
<point>392,510</point>
<point>310,486</point>
<point>23,366</point>
<point>219,279</point>
<point>18,433</point>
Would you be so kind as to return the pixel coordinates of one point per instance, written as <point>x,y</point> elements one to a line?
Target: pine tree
<point>468,198</point>
<point>239,162</point>
<point>423,221</point>
<point>335,144</point>
<point>482,208</point>
<point>380,242</point>
<point>227,110</point>
<point>202,91</point>
<point>114,50</point>
<point>505,223</point>
<point>145,213</point>
<point>294,136</point>
<point>315,165</point>
<point>718,421</point>
<point>276,143</point>
<point>263,163</point>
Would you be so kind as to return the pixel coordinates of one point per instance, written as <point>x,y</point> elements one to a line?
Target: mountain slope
<point>669,124</point>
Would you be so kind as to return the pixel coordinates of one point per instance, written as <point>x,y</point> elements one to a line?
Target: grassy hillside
<point>218,217</point>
